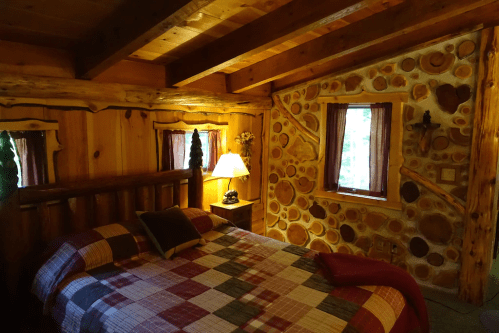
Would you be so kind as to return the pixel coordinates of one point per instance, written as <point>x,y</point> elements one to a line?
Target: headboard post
<point>195,186</point>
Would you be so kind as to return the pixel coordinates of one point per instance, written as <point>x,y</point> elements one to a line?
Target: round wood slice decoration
<point>452,253</point>
<point>332,236</point>
<point>277,127</point>
<point>302,202</point>
<point>314,107</point>
<point>361,227</point>
<point>435,259</point>
<point>274,138</point>
<point>457,242</point>
<point>414,76</point>
<point>280,173</point>
<point>273,178</point>
<point>372,73</point>
<point>433,83</point>
<point>463,72</point>
<point>395,226</point>
<point>291,170</point>
<point>317,211</point>
<point>343,248</point>
<point>272,219</point>
<point>271,194</point>
<point>398,81</point>
<point>449,98</point>
<point>425,203</point>
<point>304,185</point>
<point>341,217</point>
<point>353,82</point>
<point>282,225</point>
<point>274,207</point>
<point>306,106</point>
<point>284,163</point>
<point>388,69</point>
<point>275,114</point>
<point>276,153</point>
<point>335,86</point>
<point>283,139</point>
<point>275,234</point>
<point>408,64</point>
<point>312,92</point>
<point>287,98</point>
<point>458,138</point>
<point>297,234</point>
<point>364,243</point>
<point>414,163</point>
<point>311,172</point>
<point>459,157</point>
<point>292,130</point>
<point>320,246</point>
<point>460,121</point>
<point>418,246</point>
<point>465,49</point>
<point>284,192</point>
<point>449,48</point>
<point>405,266</point>
<point>466,110</point>
<point>375,220</point>
<point>347,233</point>
<point>325,85</point>
<point>363,210</point>
<point>436,228</point>
<point>285,123</point>
<point>440,143</point>
<point>296,108</point>
<point>332,222</point>
<point>305,218</point>
<point>296,95</point>
<point>423,272</point>
<point>311,122</point>
<point>420,92</point>
<point>316,228</point>
<point>380,83</point>
<point>334,208</point>
<point>293,214</point>
<point>352,214</point>
<point>436,62</point>
<point>301,169</point>
<point>410,192</point>
<point>283,215</point>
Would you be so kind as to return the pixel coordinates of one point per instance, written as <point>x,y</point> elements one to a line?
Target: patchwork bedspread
<point>237,282</point>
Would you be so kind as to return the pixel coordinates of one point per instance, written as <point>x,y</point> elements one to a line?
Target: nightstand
<point>238,213</point>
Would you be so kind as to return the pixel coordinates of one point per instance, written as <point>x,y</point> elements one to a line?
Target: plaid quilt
<point>237,282</point>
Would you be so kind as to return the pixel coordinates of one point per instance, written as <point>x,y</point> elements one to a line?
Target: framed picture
<point>448,174</point>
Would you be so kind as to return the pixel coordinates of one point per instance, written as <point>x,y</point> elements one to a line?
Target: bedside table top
<point>241,203</point>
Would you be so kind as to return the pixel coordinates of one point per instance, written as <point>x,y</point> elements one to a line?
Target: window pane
<point>203,136</point>
<point>354,171</point>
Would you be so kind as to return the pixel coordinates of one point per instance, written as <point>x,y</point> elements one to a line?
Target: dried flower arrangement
<point>245,139</point>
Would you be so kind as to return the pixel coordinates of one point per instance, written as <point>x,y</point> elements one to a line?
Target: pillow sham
<point>82,252</point>
<point>170,230</point>
<point>204,221</point>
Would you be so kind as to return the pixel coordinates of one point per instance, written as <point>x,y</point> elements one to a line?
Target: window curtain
<point>173,150</point>
<point>215,149</point>
<point>335,134</point>
<point>31,150</point>
<point>381,117</point>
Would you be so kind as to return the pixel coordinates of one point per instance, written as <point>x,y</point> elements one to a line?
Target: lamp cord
<point>228,186</point>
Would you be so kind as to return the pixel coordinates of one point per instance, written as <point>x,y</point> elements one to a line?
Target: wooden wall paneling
<point>20,112</point>
<point>134,72</point>
<point>72,161</point>
<point>481,210</point>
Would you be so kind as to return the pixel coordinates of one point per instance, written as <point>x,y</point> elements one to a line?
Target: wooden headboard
<point>33,216</point>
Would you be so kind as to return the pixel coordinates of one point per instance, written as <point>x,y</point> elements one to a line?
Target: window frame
<point>180,125</point>
<point>52,144</point>
<point>396,159</point>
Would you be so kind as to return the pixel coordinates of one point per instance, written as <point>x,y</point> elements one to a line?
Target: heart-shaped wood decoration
<point>450,98</point>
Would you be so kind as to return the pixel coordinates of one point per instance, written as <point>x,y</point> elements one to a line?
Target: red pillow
<point>203,221</point>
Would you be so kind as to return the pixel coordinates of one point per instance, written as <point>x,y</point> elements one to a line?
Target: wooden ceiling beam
<point>289,21</point>
<point>382,27</point>
<point>129,28</point>
<point>114,94</point>
<point>474,20</point>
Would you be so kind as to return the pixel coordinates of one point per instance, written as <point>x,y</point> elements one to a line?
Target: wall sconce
<point>427,129</point>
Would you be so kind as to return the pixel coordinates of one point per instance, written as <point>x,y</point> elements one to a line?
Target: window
<point>174,144</point>
<point>35,143</point>
<point>361,149</point>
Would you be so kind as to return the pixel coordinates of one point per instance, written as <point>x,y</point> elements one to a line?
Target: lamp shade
<point>229,166</point>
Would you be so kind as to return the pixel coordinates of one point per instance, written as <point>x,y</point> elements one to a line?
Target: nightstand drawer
<point>238,213</point>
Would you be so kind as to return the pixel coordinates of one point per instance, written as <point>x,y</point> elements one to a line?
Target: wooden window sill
<point>360,199</point>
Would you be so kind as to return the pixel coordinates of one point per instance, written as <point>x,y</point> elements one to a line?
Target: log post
<point>481,209</point>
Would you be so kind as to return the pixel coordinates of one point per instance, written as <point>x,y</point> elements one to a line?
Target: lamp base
<point>230,197</point>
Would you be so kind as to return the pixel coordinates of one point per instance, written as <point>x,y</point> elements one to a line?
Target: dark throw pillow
<point>170,230</point>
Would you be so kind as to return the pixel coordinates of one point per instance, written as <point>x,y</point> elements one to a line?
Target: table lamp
<point>229,166</point>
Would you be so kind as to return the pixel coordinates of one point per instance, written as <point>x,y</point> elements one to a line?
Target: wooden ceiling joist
<point>289,21</point>
<point>114,94</point>
<point>128,29</point>
<point>399,20</point>
<point>483,17</point>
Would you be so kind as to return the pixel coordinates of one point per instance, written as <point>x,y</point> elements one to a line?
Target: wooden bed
<point>238,280</point>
